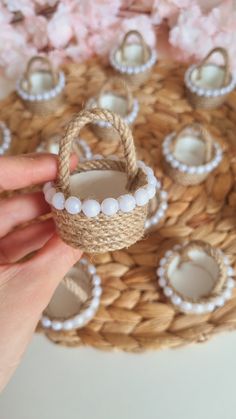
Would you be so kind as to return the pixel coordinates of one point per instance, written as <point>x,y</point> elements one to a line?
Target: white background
<point>194,382</point>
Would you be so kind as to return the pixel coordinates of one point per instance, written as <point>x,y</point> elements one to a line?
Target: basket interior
<point>190,150</point>
<point>133,55</point>
<point>98,184</point>
<point>114,103</point>
<point>64,303</point>
<point>196,277</point>
<point>40,82</point>
<point>212,77</point>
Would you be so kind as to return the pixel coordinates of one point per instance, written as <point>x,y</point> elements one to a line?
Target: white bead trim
<point>161,210</point>
<point>136,69</point>
<point>6,138</point>
<point>201,91</point>
<point>92,208</point>
<point>85,316</point>
<point>184,168</point>
<point>206,304</point>
<point>129,118</point>
<point>50,94</point>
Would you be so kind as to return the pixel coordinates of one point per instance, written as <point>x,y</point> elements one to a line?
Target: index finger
<point>25,170</point>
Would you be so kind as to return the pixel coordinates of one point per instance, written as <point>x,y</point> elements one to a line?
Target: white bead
<point>83,261</point>
<point>58,201</point>
<point>56,325</point>
<point>95,303</point>
<point>152,180</point>
<point>68,324</point>
<point>91,208</point>
<point>110,206</point>
<point>46,322</point>
<point>168,291</point>
<point>73,205</point>
<point>186,306</point>
<point>97,291</point>
<point>162,261</point>
<point>230,271</point>
<point>176,300</point>
<point>209,307</point>
<point>164,195</point>
<point>198,308</point>
<point>127,203</point>
<point>162,282</point>
<point>88,313</point>
<point>227,294</point>
<point>78,320</point>
<point>219,301</point>
<point>96,280</point>
<point>91,269</point>
<point>148,170</point>
<point>169,253</point>
<point>160,271</point>
<point>230,283</point>
<point>49,195</point>
<point>141,197</point>
<point>151,191</point>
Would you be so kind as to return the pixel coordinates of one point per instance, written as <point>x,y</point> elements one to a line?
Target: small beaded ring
<point>221,286</point>
<point>5,138</point>
<point>87,313</point>
<point>159,214</point>
<point>109,206</point>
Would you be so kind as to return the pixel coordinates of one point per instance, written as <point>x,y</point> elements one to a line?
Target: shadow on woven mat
<point>134,315</point>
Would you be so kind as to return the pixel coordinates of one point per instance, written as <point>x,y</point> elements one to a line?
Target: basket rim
<point>44,96</point>
<point>190,169</point>
<point>133,69</point>
<point>129,118</point>
<point>216,298</point>
<point>139,197</point>
<point>206,92</point>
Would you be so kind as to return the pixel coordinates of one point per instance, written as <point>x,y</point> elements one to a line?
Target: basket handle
<point>83,118</point>
<point>112,83</point>
<point>141,42</point>
<point>226,65</point>
<point>202,132</point>
<point>43,61</point>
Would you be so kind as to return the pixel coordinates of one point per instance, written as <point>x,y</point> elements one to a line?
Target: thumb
<point>47,268</point>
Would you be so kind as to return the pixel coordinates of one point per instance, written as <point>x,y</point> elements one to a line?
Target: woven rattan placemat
<point>134,315</point>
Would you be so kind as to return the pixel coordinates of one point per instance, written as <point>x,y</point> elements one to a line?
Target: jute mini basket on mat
<point>133,61</point>
<point>41,87</point>
<point>103,206</point>
<point>196,277</point>
<point>209,84</point>
<point>115,95</point>
<point>190,154</point>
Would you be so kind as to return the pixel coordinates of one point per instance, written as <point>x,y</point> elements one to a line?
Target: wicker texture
<point>134,315</point>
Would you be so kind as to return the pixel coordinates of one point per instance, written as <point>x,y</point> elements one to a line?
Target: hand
<point>26,287</point>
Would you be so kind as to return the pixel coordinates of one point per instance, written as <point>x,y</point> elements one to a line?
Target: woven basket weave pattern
<point>134,315</point>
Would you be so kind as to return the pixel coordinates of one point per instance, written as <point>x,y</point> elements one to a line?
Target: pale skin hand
<point>26,287</point>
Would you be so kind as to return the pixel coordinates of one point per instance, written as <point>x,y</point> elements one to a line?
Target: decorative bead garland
<point>50,94</point>
<point>6,138</point>
<point>129,69</point>
<point>80,320</point>
<point>176,164</point>
<point>129,118</point>
<point>183,304</point>
<point>201,91</point>
<point>109,206</point>
<point>161,210</point>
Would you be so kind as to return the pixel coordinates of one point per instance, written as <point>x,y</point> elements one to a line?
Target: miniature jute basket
<point>179,167</point>
<point>41,87</point>
<point>208,84</point>
<point>133,61</point>
<point>85,225</point>
<point>114,95</point>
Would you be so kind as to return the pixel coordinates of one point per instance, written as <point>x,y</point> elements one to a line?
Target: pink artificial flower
<point>168,9</point>
<point>35,28</point>
<point>5,15</point>
<point>60,27</point>
<point>100,13</point>
<point>26,7</point>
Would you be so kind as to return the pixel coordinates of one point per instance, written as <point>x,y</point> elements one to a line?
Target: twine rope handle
<point>43,61</point>
<point>202,246</point>
<point>203,134</point>
<point>72,132</point>
<point>226,65</point>
<point>112,83</point>
<point>143,44</point>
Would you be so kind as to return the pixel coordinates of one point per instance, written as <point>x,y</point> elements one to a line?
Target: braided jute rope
<point>101,233</point>
<point>134,315</point>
